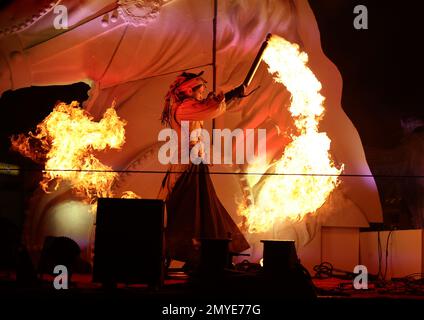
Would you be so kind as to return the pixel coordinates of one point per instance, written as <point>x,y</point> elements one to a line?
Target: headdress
<point>178,91</point>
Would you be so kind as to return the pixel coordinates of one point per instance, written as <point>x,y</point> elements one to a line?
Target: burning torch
<point>257,61</point>
<point>239,91</point>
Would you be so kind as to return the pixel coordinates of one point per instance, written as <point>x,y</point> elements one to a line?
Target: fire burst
<point>305,174</point>
<point>64,142</point>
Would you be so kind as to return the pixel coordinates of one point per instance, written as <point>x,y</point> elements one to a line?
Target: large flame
<point>64,142</point>
<point>305,175</point>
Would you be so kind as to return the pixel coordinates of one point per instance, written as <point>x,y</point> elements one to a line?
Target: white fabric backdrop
<point>134,64</point>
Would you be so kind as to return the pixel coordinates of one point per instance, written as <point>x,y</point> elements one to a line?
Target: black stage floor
<point>211,298</point>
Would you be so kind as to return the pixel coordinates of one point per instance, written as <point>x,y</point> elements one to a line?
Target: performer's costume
<point>194,210</point>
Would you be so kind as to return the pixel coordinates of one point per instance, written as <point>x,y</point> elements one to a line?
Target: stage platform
<point>86,298</point>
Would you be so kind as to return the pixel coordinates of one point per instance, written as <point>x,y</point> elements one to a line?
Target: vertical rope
<point>215,14</point>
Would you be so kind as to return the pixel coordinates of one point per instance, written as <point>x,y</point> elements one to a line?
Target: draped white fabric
<point>134,65</point>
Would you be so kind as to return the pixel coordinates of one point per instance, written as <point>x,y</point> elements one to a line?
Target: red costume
<point>194,210</point>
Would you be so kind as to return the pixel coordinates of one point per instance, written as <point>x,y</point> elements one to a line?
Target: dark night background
<point>380,66</point>
<point>382,74</point>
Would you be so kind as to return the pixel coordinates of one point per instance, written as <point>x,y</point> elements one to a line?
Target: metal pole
<point>215,14</point>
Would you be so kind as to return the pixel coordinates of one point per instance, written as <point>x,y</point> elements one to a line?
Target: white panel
<point>405,252</point>
<point>340,247</point>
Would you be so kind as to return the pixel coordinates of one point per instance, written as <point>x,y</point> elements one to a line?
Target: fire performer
<point>194,210</point>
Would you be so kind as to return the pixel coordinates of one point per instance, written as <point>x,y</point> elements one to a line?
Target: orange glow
<point>302,190</point>
<point>65,142</point>
<point>129,195</point>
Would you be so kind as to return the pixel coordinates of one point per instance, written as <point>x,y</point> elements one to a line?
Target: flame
<point>309,174</point>
<point>65,141</point>
<point>258,165</point>
<point>129,195</point>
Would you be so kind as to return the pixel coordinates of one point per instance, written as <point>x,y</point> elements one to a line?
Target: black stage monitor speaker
<point>129,243</point>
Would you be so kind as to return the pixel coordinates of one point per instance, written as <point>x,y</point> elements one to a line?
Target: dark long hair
<point>176,95</point>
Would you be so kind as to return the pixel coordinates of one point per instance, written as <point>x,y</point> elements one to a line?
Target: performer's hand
<point>241,91</point>
<point>237,92</point>
<point>220,96</point>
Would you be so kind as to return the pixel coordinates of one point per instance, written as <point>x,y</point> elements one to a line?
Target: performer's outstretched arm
<point>194,110</point>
